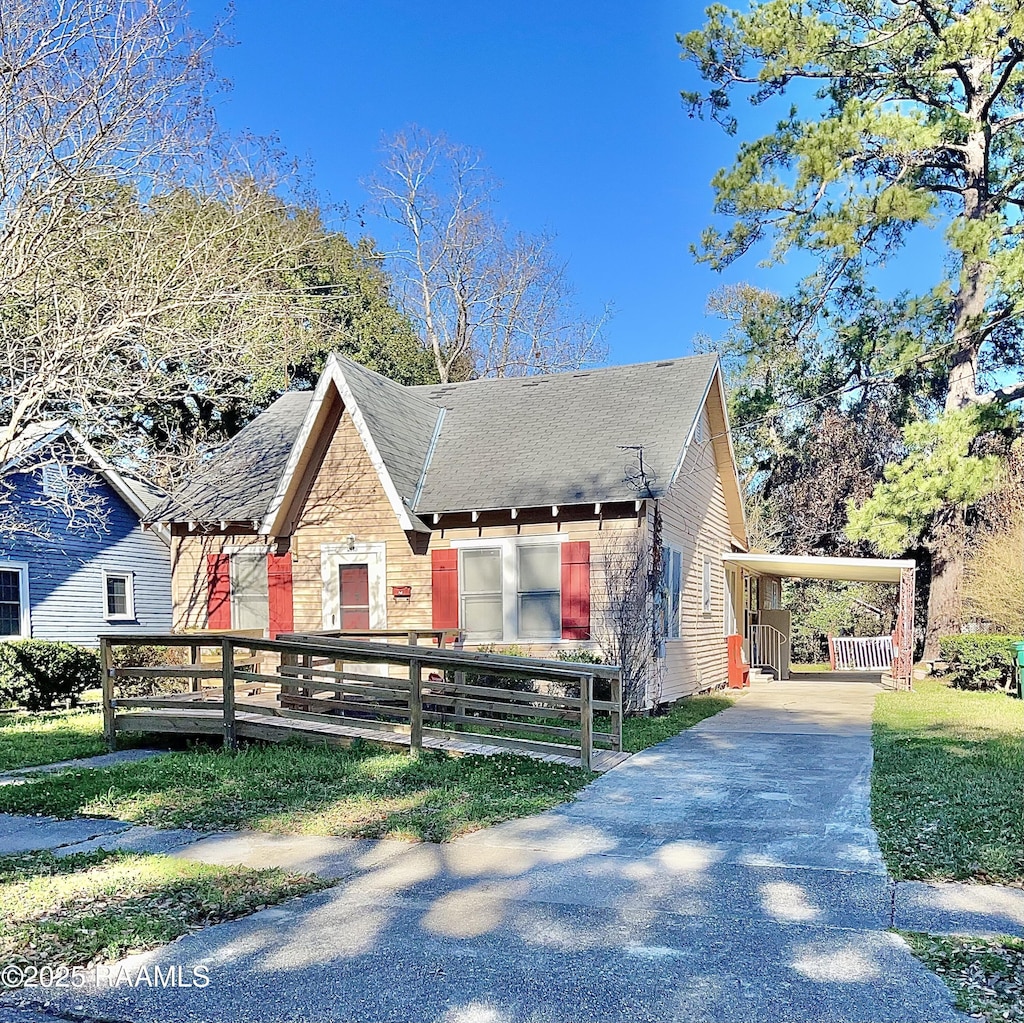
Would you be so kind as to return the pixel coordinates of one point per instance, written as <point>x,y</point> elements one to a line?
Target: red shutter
<point>576,590</point>
<point>444,579</point>
<point>218,594</point>
<point>279,593</point>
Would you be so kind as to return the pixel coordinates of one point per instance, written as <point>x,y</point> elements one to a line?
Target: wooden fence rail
<point>404,692</point>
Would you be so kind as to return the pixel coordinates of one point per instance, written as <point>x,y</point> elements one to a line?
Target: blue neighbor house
<point>75,560</point>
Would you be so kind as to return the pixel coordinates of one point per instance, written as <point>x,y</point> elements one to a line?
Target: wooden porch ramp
<point>260,721</point>
<point>332,689</point>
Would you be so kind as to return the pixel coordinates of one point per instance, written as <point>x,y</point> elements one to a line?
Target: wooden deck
<point>259,717</point>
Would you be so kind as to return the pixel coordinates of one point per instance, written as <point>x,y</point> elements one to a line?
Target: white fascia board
<point>117,483</point>
<point>715,380</point>
<point>692,431</point>
<point>60,427</point>
<point>333,376</point>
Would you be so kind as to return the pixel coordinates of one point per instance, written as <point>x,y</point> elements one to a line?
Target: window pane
<point>10,619</point>
<point>540,567</point>
<point>677,582</point>
<point>249,573</point>
<point>540,616</point>
<point>250,612</point>
<point>10,586</point>
<point>481,571</point>
<point>117,595</point>
<point>482,617</point>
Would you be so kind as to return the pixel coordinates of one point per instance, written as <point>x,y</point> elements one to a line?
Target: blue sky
<point>575,106</point>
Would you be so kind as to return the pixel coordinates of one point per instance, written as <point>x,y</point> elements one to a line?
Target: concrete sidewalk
<point>728,874</point>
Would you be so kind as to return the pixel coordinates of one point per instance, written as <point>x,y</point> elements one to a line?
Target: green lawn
<point>100,906</point>
<point>946,788</point>
<point>27,740</point>
<point>985,975</point>
<point>640,732</point>
<point>363,791</point>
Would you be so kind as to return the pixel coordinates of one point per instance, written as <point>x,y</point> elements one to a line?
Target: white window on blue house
<point>14,614</point>
<point>56,480</point>
<point>118,596</point>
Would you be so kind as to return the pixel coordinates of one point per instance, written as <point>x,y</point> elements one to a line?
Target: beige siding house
<point>520,512</point>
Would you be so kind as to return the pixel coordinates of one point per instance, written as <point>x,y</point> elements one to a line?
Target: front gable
<point>334,404</point>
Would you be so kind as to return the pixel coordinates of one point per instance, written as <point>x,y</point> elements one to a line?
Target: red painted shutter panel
<point>218,596</point>
<point>444,578</point>
<point>576,590</point>
<point>279,593</point>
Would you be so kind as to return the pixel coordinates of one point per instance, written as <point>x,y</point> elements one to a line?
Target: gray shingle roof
<point>400,420</point>
<point>522,442</point>
<point>559,439</point>
<point>240,481</point>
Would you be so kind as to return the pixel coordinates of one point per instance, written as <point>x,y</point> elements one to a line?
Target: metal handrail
<point>766,643</point>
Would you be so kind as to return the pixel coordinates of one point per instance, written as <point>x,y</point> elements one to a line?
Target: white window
<point>118,596</point>
<point>511,590</point>
<point>14,613</point>
<point>672,580</point>
<point>539,591</point>
<point>55,480</point>
<point>249,606</point>
<point>481,588</point>
<point>706,586</point>
<point>731,582</point>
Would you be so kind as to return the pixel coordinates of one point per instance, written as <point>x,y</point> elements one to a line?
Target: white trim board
<point>24,598</point>
<point>332,557</point>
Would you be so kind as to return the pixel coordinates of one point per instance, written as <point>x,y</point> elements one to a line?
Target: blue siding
<point>66,570</point>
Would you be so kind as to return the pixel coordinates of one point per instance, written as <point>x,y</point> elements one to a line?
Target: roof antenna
<point>640,477</point>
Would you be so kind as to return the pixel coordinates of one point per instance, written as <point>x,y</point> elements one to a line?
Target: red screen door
<point>355,596</point>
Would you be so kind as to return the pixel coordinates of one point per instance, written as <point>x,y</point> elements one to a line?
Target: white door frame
<point>332,557</point>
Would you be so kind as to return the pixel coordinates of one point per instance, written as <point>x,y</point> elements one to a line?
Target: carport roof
<point>861,570</point>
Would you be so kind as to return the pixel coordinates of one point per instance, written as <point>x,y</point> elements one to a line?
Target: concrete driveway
<point>729,874</point>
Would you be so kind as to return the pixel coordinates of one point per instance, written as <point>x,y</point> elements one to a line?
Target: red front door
<point>354,587</point>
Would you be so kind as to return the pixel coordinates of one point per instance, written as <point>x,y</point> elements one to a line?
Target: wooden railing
<point>863,653</point>
<point>412,689</point>
<point>766,647</point>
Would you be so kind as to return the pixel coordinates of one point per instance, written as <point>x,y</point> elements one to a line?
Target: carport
<point>755,611</point>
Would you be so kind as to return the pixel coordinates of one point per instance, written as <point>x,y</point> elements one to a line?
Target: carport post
<point>905,655</point>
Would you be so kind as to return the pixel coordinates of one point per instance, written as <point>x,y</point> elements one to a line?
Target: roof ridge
<point>564,374</point>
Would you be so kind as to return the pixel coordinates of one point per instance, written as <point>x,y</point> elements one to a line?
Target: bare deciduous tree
<point>487,302</point>
<point>626,632</point>
<point>140,253</point>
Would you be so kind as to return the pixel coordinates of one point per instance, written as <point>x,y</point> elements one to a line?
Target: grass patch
<point>28,740</point>
<point>985,975</point>
<point>101,906</point>
<point>946,786</point>
<point>361,792</point>
<point>640,732</point>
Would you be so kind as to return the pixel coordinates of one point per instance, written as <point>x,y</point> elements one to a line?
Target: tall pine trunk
<point>944,606</point>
